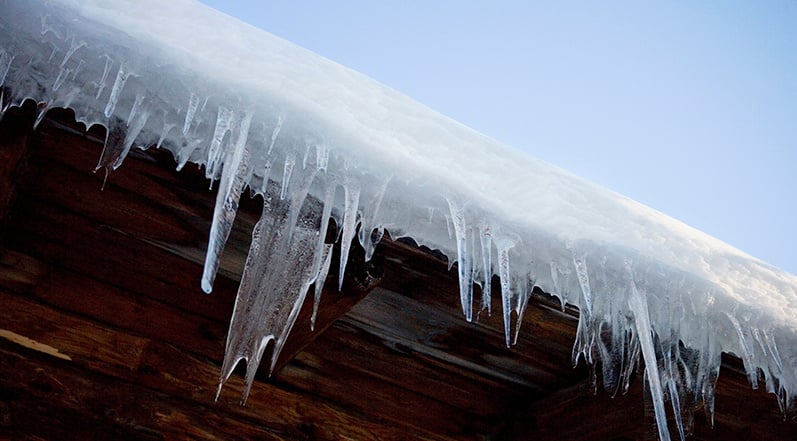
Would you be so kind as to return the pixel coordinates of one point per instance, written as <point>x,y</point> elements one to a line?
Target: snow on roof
<point>321,141</point>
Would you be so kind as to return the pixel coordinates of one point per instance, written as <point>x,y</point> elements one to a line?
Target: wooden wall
<point>105,334</point>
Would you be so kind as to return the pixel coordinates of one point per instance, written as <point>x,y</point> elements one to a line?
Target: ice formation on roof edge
<point>646,286</point>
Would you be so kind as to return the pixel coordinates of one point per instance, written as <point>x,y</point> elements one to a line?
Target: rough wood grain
<point>110,280</point>
<point>153,365</point>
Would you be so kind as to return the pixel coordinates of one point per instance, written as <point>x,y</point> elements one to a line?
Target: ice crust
<point>319,141</point>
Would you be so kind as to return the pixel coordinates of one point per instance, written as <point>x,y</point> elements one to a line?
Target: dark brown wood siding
<point>105,334</point>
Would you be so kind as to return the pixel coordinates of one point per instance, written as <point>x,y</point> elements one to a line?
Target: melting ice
<point>315,140</point>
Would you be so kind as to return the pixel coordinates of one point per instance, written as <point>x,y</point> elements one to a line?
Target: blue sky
<point>688,107</point>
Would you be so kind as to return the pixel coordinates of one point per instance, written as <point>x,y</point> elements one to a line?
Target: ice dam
<point>321,142</point>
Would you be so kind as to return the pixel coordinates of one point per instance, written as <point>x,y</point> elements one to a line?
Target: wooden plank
<point>445,335</point>
<point>578,413</point>
<point>358,357</point>
<point>47,399</point>
<point>360,391</point>
<point>366,354</point>
<point>62,237</point>
<point>546,335</point>
<point>743,413</point>
<point>111,306</point>
<point>162,368</point>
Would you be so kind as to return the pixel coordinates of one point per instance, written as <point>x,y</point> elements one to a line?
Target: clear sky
<point>688,107</point>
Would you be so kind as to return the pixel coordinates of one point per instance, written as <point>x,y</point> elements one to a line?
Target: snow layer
<point>321,141</point>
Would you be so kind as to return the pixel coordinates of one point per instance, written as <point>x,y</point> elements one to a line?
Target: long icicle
<point>351,203</point>
<point>230,188</point>
<point>486,241</point>
<point>464,259</point>
<point>639,307</point>
<point>504,245</point>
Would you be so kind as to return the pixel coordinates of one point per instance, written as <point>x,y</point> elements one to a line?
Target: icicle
<point>351,203</point>
<point>369,218</point>
<point>121,136</point>
<point>558,276</point>
<point>298,191</point>
<point>464,260</point>
<point>748,357</point>
<point>323,252</point>
<point>521,302</point>
<point>76,70</point>
<point>329,199</point>
<point>675,401</point>
<point>476,268</point>
<point>193,103</point>
<point>230,187</point>
<point>167,127</point>
<point>326,261</point>
<point>58,100</point>
<point>275,134</point>
<point>579,261</point>
<point>584,345</point>
<point>224,124</point>
<point>113,147</point>
<point>505,244</point>
<point>135,108</point>
<point>121,78</point>
<point>290,161</point>
<point>273,285</point>
<point>451,263</point>
<point>73,47</point>
<point>63,74</point>
<point>41,112</point>
<point>132,133</point>
<point>638,306</point>
<point>486,241</point>
<point>757,337</point>
<point>266,174</point>
<point>186,152</point>
<point>322,157</point>
<point>307,149</point>
<point>103,80</point>
<point>5,65</point>
<point>771,344</point>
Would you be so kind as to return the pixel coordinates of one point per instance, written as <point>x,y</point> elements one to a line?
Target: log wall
<point>105,334</point>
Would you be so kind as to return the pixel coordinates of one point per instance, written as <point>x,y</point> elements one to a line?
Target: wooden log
<point>581,413</point>
<point>42,398</point>
<point>99,352</point>
<point>112,306</point>
<point>445,335</point>
<point>360,352</point>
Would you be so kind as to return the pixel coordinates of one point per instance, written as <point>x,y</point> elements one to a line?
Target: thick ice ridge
<point>319,141</point>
